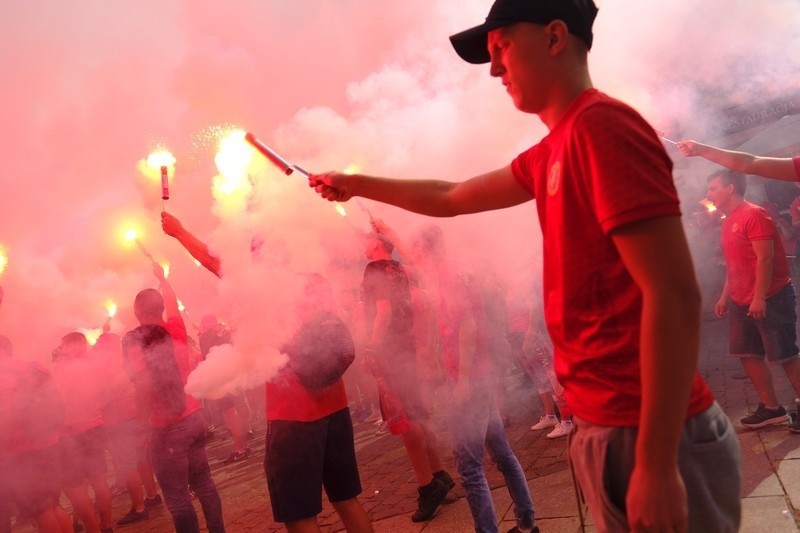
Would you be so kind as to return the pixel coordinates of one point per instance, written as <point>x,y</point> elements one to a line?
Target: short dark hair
<point>150,302</point>
<point>729,177</point>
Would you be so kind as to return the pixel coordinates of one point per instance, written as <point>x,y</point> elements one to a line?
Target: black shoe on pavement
<point>445,478</point>
<point>235,457</point>
<point>155,501</point>
<point>794,419</point>
<point>765,417</point>
<point>516,529</point>
<point>133,516</point>
<point>431,497</point>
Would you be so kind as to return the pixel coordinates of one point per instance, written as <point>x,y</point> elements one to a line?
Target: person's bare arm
<point>765,261</point>
<point>167,293</point>
<point>779,168</point>
<point>657,256</point>
<point>197,248</point>
<point>721,307</point>
<point>494,190</point>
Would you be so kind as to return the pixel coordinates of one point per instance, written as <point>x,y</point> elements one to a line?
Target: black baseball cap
<point>578,15</point>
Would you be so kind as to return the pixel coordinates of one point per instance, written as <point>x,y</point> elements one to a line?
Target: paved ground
<point>771,492</point>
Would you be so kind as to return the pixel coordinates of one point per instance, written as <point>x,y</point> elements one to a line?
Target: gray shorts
<point>709,460</point>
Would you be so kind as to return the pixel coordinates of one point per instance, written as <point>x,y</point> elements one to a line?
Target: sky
<point>91,87</point>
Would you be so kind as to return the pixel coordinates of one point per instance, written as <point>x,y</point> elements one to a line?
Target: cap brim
<point>471,44</point>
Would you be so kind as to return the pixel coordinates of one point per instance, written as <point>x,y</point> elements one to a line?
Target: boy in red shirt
<point>622,303</point>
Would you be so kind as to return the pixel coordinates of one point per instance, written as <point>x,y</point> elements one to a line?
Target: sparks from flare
<point>232,186</point>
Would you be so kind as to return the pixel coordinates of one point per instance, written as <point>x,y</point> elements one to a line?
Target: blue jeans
<point>178,454</point>
<point>472,425</point>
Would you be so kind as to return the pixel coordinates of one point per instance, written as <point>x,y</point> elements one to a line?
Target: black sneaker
<point>765,417</point>
<point>431,497</point>
<point>155,501</point>
<point>445,478</point>
<point>133,516</point>
<point>794,418</point>
<point>516,529</point>
<point>235,457</point>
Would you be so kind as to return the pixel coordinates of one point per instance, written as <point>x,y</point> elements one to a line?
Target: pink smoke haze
<point>90,88</point>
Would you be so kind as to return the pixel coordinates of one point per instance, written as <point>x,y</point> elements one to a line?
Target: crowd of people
<point>612,352</point>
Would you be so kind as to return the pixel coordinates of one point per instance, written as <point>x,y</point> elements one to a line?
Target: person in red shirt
<point>31,416</point>
<point>622,304</point>
<point>159,361</point>
<point>758,295</point>
<point>81,377</point>
<point>309,443</point>
<point>779,168</point>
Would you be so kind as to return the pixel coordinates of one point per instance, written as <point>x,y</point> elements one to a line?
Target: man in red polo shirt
<point>758,295</point>
<point>622,303</point>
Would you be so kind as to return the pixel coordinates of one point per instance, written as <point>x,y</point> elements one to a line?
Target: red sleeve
<point>759,226</point>
<point>796,160</point>
<point>629,173</point>
<point>522,168</point>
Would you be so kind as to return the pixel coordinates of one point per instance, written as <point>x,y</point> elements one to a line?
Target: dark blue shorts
<point>303,457</point>
<point>774,337</point>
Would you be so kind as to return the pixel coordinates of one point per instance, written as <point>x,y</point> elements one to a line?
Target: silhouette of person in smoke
<point>391,353</point>
<point>622,303</point>
<point>159,362</point>
<point>31,416</point>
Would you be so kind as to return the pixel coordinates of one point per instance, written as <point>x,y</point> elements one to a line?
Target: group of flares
<point>231,186</point>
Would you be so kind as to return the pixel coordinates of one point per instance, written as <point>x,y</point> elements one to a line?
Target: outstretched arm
<point>197,248</point>
<point>494,190</point>
<point>656,254</point>
<point>779,168</point>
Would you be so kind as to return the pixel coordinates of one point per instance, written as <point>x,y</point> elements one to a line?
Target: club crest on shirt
<point>735,227</point>
<point>554,178</point>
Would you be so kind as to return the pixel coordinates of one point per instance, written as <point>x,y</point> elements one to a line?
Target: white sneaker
<point>547,421</point>
<point>563,429</point>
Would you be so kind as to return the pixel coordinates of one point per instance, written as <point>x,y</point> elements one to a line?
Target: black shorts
<point>303,457</point>
<point>83,456</point>
<point>774,337</point>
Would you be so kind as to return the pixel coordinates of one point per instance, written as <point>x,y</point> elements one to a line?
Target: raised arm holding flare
<point>626,341</point>
<point>197,248</point>
<point>779,168</point>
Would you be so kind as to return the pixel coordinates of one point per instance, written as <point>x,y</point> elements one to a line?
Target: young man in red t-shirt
<point>622,303</point>
<point>758,295</point>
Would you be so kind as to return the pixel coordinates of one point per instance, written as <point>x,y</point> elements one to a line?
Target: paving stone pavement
<point>771,467</point>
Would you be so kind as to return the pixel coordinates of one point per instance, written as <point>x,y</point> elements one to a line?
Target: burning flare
<point>91,334</point>
<point>708,205</point>
<point>3,259</point>
<point>340,209</point>
<point>111,308</point>
<point>165,267</point>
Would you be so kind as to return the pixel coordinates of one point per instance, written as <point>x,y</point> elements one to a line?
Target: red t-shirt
<point>83,382</point>
<point>748,223</point>
<point>288,399</point>
<point>796,160</point>
<point>601,167</point>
